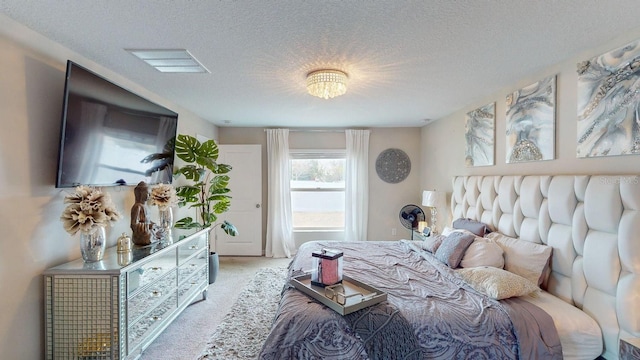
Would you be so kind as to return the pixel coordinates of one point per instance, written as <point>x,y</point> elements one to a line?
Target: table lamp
<point>433,199</point>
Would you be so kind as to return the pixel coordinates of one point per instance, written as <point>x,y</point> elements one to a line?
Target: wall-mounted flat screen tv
<point>111,136</point>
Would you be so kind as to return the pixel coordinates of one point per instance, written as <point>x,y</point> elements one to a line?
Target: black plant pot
<point>214,265</point>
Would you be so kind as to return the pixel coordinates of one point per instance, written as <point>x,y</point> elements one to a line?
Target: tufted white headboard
<point>592,223</point>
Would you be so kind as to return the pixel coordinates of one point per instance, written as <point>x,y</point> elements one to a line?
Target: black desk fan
<point>410,216</point>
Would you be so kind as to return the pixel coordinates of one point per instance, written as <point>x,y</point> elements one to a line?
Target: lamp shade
<point>433,198</point>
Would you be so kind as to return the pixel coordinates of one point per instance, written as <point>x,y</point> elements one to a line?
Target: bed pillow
<point>524,258</point>
<point>476,227</point>
<point>453,248</point>
<point>497,283</point>
<point>483,252</point>
<point>432,243</point>
<point>447,231</point>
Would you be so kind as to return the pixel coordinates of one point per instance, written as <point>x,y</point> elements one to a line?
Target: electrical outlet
<point>393,231</point>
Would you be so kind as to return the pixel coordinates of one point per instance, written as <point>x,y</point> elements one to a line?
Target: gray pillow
<point>476,227</point>
<point>432,243</point>
<point>453,248</point>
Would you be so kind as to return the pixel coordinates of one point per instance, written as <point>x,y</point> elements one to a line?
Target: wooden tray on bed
<point>369,295</point>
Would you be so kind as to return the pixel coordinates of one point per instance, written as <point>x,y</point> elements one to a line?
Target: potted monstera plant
<point>206,190</point>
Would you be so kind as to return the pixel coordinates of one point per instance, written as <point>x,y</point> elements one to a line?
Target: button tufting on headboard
<point>593,225</point>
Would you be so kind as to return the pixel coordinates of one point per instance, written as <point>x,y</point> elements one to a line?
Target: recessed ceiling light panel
<point>170,60</point>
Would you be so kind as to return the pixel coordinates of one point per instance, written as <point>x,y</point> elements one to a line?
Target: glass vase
<point>93,244</point>
<point>166,223</point>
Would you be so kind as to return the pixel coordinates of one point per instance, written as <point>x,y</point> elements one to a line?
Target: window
<point>317,189</point>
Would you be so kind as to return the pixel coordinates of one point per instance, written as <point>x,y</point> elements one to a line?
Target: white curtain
<point>279,223</point>
<point>357,185</point>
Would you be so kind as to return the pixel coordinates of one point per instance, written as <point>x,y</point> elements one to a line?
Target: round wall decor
<point>393,165</point>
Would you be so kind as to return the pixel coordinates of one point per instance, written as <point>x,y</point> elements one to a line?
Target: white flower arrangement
<point>163,196</point>
<point>87,208</point>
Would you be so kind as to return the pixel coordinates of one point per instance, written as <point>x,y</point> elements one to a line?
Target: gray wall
<point>443,142</point>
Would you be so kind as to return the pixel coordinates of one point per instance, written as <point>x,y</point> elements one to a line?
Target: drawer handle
<point>193,247</point>
<point>156,293</point>
<point>156,318</point>
<point>193,265</point>
<point>155,268</point>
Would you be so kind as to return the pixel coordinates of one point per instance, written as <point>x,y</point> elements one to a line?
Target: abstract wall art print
<point>609,103</point>
<point>479,134</point>
<point>530,122</point>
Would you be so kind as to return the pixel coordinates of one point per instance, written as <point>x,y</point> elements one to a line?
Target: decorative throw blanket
<point>534,328</point>
<point>430,313</point>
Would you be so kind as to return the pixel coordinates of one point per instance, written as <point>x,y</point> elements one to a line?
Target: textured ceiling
<point>408,61</point>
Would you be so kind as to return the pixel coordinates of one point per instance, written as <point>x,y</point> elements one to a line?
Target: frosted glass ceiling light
<point>327,84</point>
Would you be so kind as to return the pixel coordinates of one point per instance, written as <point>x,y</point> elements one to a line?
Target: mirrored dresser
<point>115,308</point>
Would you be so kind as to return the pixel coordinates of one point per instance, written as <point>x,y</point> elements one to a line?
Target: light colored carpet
<point>245,328</point>
<point>187,337</point>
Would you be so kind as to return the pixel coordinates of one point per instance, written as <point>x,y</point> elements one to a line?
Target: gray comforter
<point>430,313</point>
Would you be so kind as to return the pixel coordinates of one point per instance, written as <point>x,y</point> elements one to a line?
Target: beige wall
<point>443,142</point>
<point>385,200</point>
<point>32,71</point>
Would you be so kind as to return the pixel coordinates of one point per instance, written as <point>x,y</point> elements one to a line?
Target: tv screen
<point>111,136</point>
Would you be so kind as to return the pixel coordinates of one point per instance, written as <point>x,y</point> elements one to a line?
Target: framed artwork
<point>393,165</point>
<point>609,103</point>
<point>530,122</point>
<point>479,132</point>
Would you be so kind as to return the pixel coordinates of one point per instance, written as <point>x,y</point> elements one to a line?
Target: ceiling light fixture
<point>327,84</point>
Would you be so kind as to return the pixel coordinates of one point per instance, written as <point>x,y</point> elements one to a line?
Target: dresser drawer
<point>145,326</point>
<point>192,265</point>
<point>192,284</point>
<point>151,296</point>
<point>191,247</point>
<point>150,271</point>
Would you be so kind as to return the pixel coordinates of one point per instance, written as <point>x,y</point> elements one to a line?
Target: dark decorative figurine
<point>142,226</point>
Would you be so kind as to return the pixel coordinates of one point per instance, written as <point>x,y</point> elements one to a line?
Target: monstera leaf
<point>208,188</point>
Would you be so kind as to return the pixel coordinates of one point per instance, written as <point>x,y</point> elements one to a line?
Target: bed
<point>587,297</point>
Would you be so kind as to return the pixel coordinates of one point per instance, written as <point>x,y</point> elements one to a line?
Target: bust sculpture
<point>141,226</point>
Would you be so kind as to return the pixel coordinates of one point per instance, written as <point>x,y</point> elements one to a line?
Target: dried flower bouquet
<point>163,196</point>
<point>88,207</point>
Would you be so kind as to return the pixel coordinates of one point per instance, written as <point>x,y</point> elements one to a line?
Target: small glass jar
<point>327,267</point>
<point>123,247</point>
<point>124,243</point>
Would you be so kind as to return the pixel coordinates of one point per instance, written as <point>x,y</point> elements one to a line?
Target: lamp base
<point>434,216</point>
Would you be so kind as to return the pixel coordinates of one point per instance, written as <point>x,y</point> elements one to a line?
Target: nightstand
<point>630,349</point>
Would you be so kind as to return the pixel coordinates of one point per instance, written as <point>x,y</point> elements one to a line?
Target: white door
<point>246,203</point>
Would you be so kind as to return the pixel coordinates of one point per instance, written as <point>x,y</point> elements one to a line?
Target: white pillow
<point>524,258</point>
<point>447,231</point>
<point>497,283</point>
<point>483,252</point>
